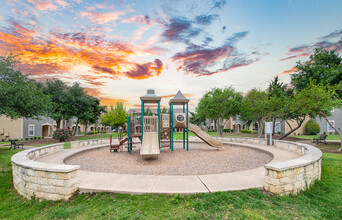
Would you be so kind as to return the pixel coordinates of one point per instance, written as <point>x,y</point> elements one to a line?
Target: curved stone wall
<point>43,180</point>
<point>289,177</point>
<point>55,182</point>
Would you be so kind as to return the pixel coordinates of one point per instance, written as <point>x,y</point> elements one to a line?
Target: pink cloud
<point>102,18</point>
<point>43,5</point>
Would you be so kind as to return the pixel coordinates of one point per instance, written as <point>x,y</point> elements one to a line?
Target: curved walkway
<point>138,184</point>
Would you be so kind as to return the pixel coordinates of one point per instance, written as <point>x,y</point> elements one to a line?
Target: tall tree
<point>19,95</point>
<point>323,67</point>
<point>115,117</point>
<point>197,119</point>
<point>220,104</point>
<point>277,96</point>
<point>256,107</point>
<point>62,107</point>
<point>320,100</point>
<point>91,113</point>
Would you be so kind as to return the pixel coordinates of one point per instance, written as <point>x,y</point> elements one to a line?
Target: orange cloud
<point>290,71</point>
<point>111,101</point>
<point>59,53</point>
<point>44,5</point>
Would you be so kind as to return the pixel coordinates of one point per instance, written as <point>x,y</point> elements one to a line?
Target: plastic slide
<point>150,146</point>
<point>204,136</point>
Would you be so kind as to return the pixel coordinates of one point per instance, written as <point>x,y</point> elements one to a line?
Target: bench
<point>320,139</point>
<point>15,145</point>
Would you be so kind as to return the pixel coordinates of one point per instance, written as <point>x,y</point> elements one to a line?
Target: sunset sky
<point>119,49</point>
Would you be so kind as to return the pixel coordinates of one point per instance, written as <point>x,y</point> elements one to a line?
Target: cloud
<point>44,5</point>
<point>180,29</point>
<point>102,18</point>
<point>173,95</point>
<point>140,19</point>
<point>334,34</point>
<point>206,19</point>
<point>308,49</point>
<point>146,70</point>
<point>59,52</point>
<point>217,4</point>
<point>201,61</point>
<point>287,72</point>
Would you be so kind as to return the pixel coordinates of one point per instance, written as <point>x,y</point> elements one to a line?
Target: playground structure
<point>157,132</point>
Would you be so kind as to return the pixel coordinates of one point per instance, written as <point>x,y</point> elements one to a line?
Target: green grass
<point>96,136</point>
<point>67,145</point>
<point>329,137</point>
<point>323,201</point>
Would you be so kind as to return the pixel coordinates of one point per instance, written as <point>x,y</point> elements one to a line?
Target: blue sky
<point>119,49</point>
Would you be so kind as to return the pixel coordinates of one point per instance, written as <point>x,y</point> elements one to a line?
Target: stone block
<point>281,174</point>
<point>298,170</point>
<point>70,182</point>
<point>283,181</point>
<point>30,172</point>
<point>300,177</point>
<point>42,181</point>
<point>290,172</point>
<point>271,181</point>
<point>40,173</point>
<point>288,187</point>
<point>56,182</point>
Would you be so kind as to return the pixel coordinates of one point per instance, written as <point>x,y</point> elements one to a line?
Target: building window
<point>329,128</point>
<point>31,130</point>
<point>277,127</point>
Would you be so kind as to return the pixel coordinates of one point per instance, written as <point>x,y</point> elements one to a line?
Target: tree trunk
<point>86,128</point>
<point>339,133</point>
<point>274,122</point>
<point>260,128</point>
<point>220,127</point>
<point>299,123</point>
<point>76,128</point>
<point>58,122</point>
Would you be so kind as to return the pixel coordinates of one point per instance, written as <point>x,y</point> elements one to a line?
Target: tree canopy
<point>115,117</point>
<point>19,95</point>
<point>219,104</point>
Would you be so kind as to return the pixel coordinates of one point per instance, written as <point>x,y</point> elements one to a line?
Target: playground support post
<point>159,123</point>
<point>187,126</point>
<point>183,130</point>
<point>171,125</point>
<point>142,120</point>
<point>128,144</point>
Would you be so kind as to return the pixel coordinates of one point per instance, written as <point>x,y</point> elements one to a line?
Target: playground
<point>145,158</point>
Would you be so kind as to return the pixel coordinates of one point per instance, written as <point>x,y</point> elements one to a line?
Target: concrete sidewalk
<point>138,184</point>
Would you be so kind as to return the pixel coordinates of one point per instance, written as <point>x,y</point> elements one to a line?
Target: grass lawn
<point>330,137</point>
<point>96,136</point>
<point>323,201</point>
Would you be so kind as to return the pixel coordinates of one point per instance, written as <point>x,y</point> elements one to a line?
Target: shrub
<point>330,133</point>
<point>27,139</point>
<point>294,134</point>
<point>62,134</point>
<point>16,140</point>
<point>312,127</point>
<point>2,140</point>
<point>43,137</point>
<point>9,139</point>
<point>31,138</point>
<point>103,132</point>
<point>35,138</point>
<point>246,131</point>
<point>210,130</point>
<point>279,132</point>
<point>254,132</point>
<point>38,138</point>
<point>226,130</point>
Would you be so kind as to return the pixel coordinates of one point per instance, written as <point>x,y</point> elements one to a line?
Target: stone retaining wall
<point>76,144</point>
<point>291,177</point>
<point>43,180</point>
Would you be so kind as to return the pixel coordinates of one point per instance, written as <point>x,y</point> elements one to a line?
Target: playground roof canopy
<point>179,99</point>
<point>150,97</point>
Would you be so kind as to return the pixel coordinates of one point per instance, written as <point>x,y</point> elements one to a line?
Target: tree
<point>19,95</point>
<point>115,117</point>
<point>320,100</point>
<point>148,112</point>
<point>276,96</point>
<point>197,119</point>
<point>91,113</point>
<point>219,104</point>
<point>62,105</point>
<point>323,67</point>
<point>256,107</point>
<point>164,110</point>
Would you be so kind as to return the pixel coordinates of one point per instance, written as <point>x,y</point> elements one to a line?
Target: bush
<point>62,134</point>
<point>16,140</point>
<point>246,131</point>
<point>38,138</point>
<point>31,138</point>
<point>226,130</point>
<point>210,130</point>
<point>2,140</point>
<point>103,132</point>
<point>43,137</point>
<point>312,127</point>
<point>27,139</point>
<point>254,132</point>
